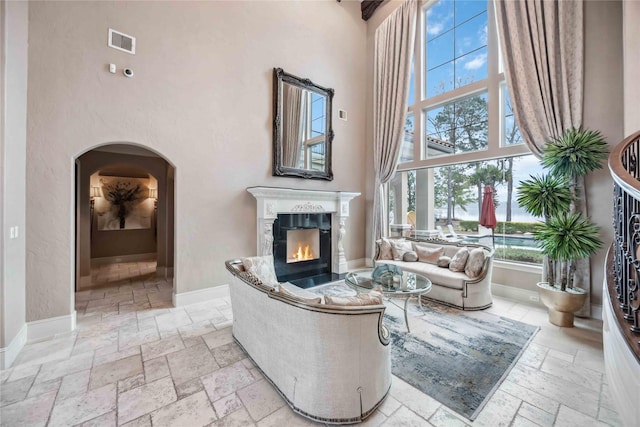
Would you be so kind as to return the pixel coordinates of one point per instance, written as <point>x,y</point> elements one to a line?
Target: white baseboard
<point>45,328</point>
<point>186,298</point>
<point>518,294</point>
<point>123,258</point>
<point>532,297</point>
<point>354,264</point>
<point>9,353</point>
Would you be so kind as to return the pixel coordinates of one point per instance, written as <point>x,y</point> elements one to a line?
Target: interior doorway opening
<point>124,217</point>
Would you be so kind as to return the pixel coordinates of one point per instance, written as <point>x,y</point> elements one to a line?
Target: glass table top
<point>406,283</point>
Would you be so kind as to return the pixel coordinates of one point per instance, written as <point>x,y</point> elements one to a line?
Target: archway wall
<point>201,97</point>
<point>128,241</point>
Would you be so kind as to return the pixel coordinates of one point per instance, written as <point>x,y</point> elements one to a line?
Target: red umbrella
<point>488,212</point>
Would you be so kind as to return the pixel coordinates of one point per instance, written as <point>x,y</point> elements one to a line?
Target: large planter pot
<point>561,305</point>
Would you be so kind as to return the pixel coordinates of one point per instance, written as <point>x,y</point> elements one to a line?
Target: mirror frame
<point>279,78</point>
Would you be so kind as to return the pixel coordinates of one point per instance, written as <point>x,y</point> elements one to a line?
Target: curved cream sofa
<point>330,363</point>
<point>452,288</point>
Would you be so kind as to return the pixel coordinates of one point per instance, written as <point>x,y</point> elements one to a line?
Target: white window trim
<point>491,85</point>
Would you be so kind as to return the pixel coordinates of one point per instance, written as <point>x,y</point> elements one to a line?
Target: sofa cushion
<point>459,260</point>
<point>262,268</point>
<point>297,296</point>
<point>399,247</point>
<point>385,249</point>
<point>429,254</point>
<point>450,251</point>
<point>373,297</point>
<point>444,261</point>
<point>475,263</point>
<point>410,257</point>
<point>438,276</point>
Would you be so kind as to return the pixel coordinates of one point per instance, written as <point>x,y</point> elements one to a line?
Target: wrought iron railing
<point>624,265</point>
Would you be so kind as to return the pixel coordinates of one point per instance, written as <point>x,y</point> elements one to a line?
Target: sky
<point>456,45</point>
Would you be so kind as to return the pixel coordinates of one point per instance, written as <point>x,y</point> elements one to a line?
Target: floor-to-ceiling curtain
<point>392,61</point>
<point>292,125</point>
<point>543,50</point>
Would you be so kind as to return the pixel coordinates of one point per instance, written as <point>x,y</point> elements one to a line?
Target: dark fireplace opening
<point>302,246</point>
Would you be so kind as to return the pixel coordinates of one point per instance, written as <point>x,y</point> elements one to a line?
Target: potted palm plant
<point>565,236</point>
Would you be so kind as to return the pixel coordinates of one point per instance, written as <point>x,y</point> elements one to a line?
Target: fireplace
<point>301,245</point>
<point>304,213</point>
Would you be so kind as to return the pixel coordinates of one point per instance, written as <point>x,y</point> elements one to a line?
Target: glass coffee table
<point>403,285</point>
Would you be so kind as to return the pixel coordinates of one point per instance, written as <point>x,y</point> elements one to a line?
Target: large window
<point>458,104</point>
<point>456,45</point>
<point>430,200</point>
<point>461,135</point>
<point>457,126</point>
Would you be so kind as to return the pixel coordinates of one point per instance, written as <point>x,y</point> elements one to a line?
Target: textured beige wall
<point>202,97</point>
<point>603,111</point>
<point>631,17</point>
<point>14,25</point>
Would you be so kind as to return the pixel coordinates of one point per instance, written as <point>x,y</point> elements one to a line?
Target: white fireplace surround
<point>272,201</point>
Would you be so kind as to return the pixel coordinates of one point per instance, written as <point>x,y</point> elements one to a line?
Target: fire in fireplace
<point>303,245</point>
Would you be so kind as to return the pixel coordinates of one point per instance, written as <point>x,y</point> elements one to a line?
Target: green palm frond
<point>575,153</point>
<point>544,196</point>
<point>568,237</point>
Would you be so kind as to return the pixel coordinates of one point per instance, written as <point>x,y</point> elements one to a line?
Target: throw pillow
<point>474,263</point>
<point>262,268</point>
<point>374,297</point>
<point>428,254</point>
<point>385,249</point>
<point>459,260</point>
<point>444,261</point>
<point>410,256</point>
<point>399,247</point>
<point>284,291</point>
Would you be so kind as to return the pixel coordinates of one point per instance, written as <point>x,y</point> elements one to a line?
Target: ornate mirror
<point>302,132</point>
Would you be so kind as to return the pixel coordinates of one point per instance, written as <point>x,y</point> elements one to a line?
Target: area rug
<point>458,358</point>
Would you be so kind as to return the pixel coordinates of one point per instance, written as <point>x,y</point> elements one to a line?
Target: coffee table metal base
<point>406,302</point>
<point>400,285</point>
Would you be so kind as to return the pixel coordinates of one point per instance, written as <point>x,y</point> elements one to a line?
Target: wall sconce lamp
<point>153,194</point>
<point>95,192</point>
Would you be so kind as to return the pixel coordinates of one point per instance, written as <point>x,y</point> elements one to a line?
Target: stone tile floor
<point>135,360</point>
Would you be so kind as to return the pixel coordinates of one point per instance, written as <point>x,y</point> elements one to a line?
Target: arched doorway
<point>124,216</point>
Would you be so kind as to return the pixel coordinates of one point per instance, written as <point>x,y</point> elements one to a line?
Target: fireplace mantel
<point>272,201</point>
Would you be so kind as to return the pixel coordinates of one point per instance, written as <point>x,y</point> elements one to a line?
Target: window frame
<point>492,85</point>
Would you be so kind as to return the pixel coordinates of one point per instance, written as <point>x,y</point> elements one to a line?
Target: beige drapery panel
<point>543,49</point>
<point>292,129</point>
<point>392,70</point>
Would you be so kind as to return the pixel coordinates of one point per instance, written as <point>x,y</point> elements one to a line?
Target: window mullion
<point>493,79</point>
<point>419,84</point>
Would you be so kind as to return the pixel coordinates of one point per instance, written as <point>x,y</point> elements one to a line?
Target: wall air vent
<point>121,41</point>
